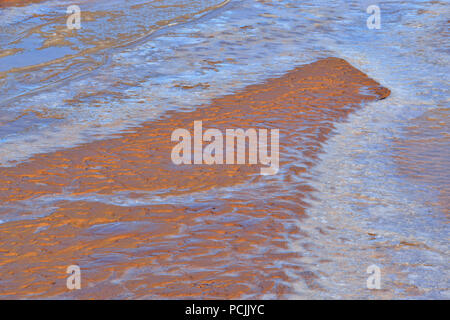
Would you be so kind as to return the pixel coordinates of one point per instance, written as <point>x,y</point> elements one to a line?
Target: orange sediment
<point>17,3</point>
<point>220,248</point>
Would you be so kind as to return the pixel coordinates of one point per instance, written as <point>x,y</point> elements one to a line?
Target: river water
<point>381,182</point>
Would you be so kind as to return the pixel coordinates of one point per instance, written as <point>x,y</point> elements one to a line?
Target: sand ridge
<point>216,248</point>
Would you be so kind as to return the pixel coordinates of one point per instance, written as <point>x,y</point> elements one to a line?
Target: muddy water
<point>370,190</point>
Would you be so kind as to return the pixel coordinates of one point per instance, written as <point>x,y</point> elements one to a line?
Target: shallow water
<point>382,190</point>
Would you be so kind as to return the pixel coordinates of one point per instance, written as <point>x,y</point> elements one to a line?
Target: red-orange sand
<point>17,3</point>
<point>230,248</point>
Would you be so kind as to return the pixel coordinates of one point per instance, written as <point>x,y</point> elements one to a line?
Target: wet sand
<point>222,247</point>
<point>16,3</point>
